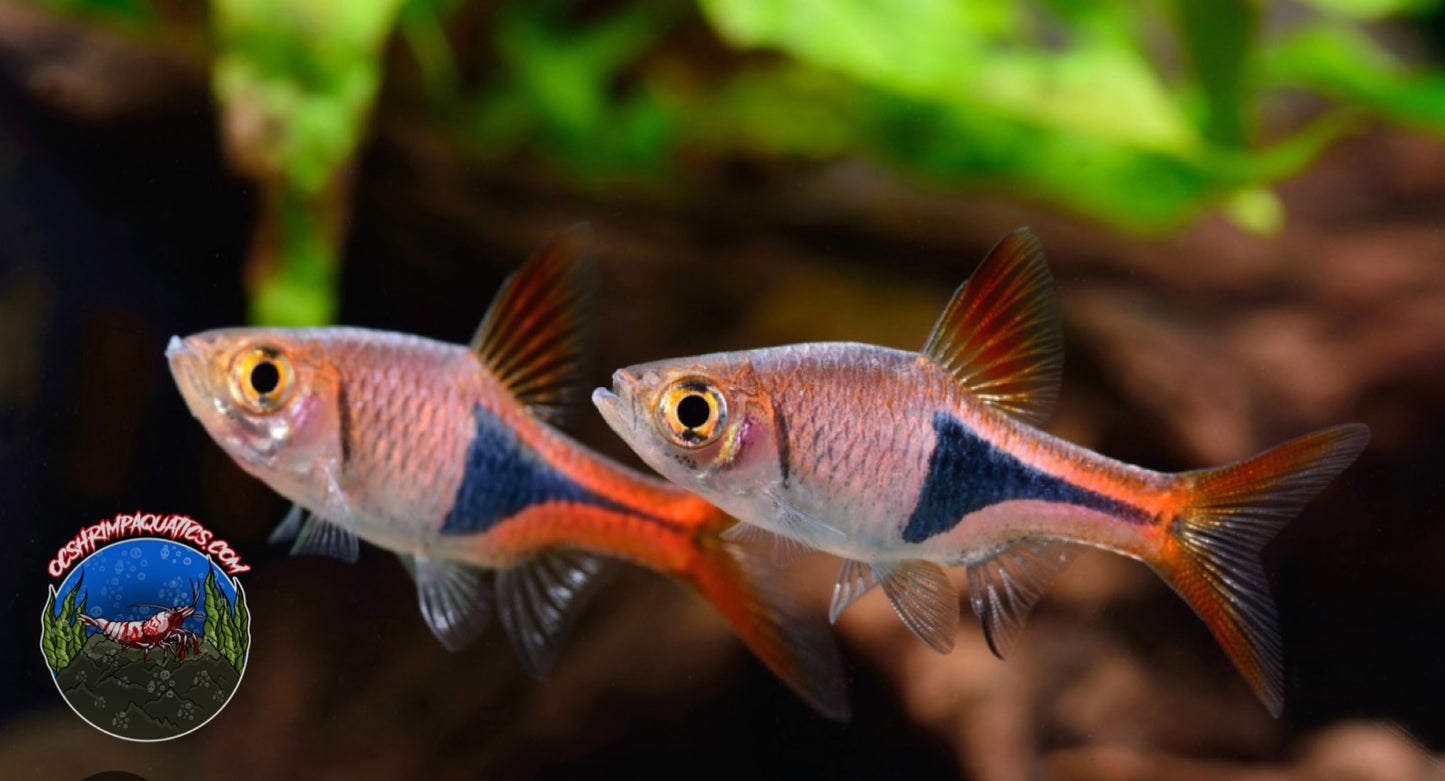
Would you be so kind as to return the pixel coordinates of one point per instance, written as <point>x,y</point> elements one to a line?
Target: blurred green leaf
<point>977,54</point>
<point>136,16</point>
<point>1344,64</point>
<point>1085,121</point>
<point>1257,210</point>
<point>297,79</point>
<point>423,24</point>
<point>1374,9</point>
<point>557,90</point>
<point>1142,114</point>
<point>1219,38</point>
<point>297,262</point>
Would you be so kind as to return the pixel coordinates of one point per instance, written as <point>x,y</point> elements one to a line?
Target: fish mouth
<point>187,360</point>
<point>617,405</point>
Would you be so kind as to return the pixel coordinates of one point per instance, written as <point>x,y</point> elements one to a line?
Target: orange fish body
<point>905,463</point>
<point>445,455</point>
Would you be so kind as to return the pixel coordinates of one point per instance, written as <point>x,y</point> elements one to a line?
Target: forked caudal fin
<point>741,584</point>
<point>1231,514</point>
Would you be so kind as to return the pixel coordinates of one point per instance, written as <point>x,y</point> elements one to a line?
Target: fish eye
<point>262,379</point>
<point>691,413</point>
<point>265,376</point>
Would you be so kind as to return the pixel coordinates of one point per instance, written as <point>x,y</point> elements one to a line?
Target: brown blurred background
<point>120,225</point>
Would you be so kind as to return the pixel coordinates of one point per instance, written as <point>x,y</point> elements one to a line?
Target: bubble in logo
<point>146,638</point>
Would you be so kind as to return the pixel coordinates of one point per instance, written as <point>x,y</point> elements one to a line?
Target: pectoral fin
<point>1004,588</point>
<point>923,597</point>
<point>455,599</point>
<point>320,537</point>
<point>782,551</point>
<point>854,580</point>
<point>799,524</point>
<point>332,535</point>
<point>541,598</point>
<point>289,527</point>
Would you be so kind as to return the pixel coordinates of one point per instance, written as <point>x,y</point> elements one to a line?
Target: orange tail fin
<point>796,645</point>
<point>1232,513</point>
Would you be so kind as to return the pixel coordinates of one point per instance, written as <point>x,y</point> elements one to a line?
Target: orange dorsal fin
<point>538,334</point>
<point>1000,334</point>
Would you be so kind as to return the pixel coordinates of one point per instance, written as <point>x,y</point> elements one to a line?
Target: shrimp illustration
<point>163,630</point>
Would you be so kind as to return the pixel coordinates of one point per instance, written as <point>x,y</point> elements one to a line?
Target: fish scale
<point>848,461</point>
<point>411,471</point>
<point>446,455</point>
<point>903,463</point>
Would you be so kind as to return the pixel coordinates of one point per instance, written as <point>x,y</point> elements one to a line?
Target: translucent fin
<point>854,580</point>
<point>320,537</point>
<point>923,597</point>
<point>539,332</point>
<point>782,551</point>
<point>541,598</point>
<point>1004,588</point>
<point>289,527</point>
<point>332,535</point>
<point>1231,514</point>
<point>455,600</point>
<point>797,524</point>
<point>1000,335</point>
<point>790,639</point>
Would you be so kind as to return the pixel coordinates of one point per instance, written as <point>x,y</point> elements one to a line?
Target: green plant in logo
<point>63,635</point>
<point>227,624</point>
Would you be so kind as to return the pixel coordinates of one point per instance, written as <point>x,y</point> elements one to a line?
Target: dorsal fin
<point>1000,335</point>
<point>538,334</point>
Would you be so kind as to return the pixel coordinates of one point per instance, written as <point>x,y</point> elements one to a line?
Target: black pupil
<point>693,411</point>
<point>265,377</point>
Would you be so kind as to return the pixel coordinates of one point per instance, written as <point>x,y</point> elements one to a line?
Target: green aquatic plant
<point>1071,102</point>
<point>296,80</point>
<point>1141,113</point>
<point>557,86</point>
<point>62,634</point>
<point>227,626</point>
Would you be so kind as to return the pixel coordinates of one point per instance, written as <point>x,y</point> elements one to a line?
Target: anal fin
<point>923,597</point>
<point>1005,587</point>
<point>540,600</point>
<point>455,599</point>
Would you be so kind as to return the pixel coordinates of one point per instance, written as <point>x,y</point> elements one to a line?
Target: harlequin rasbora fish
<point>444,454</point>
<point>904,463</point>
